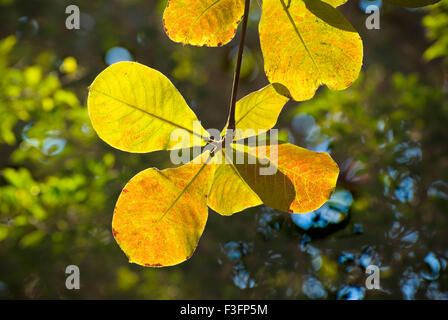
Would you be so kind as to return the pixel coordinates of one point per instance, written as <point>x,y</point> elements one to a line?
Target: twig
<point>231,120</point>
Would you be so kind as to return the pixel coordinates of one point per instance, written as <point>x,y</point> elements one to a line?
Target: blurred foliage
<point>59,181</point>
<point>47,128</point>
<point>436,23</point>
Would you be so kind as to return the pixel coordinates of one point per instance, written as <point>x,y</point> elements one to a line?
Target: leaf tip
<point>282,90</point>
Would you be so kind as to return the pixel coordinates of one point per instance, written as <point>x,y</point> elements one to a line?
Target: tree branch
<point>231,120</point>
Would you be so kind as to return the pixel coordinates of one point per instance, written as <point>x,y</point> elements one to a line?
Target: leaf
<point>202,22</point>
<point>229,192</point>
<point>135,108</point>
<point>258,112</point>
<point>308,43</point>
<point>304,180</point>
<point>160,215</point>
<point>412,3</point>
<point>334,3</point>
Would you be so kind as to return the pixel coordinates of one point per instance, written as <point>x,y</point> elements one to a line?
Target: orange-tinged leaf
<point>202,22</point>
<point>229,192</point>
<point>294,179</point>
<point>308,43</point>
<point>135,108</point>
<point>304,180</point>
<point>160,215</point>
<point>274,189</point>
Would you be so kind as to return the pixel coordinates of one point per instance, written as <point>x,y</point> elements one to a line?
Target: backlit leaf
<point>160,215</point>
<point>258,112</point>
<point>135,108</point>
<point>202,22</point>
<point>308,43</point>
<point>294,180</point>
<point>335,3</point>
<point>304,180</point>
<point>229,192</point>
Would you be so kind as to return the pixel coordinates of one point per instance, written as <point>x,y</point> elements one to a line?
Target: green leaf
<point>4,230</point>
<point>32,239</point>
<point>412,3</point>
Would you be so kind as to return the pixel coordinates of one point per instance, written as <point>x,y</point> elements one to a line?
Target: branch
<point>231,120</point>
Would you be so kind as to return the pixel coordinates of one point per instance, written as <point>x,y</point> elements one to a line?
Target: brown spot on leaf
<point>153,265</point>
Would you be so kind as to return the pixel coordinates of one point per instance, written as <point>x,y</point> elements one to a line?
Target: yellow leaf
<point>160,215</point>
<point>258,112</point>
<point>135,108</point>
<point>4,230</point>
<point>335,3</point>
<point>294,179</point>
<point>303,182</point>
<point>69,65</point>
<point>229,192</point>
<point>308,43</point>
<point>202,22</point>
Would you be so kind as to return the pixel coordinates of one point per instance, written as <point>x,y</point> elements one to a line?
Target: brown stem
<point>231,120</point>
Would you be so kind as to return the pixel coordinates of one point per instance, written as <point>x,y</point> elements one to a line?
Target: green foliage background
<point>59,181</point>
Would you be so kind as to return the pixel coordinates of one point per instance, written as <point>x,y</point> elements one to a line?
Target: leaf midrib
<point>184,190</point>
<point>187,38</point>
<point>297,31</point>
<point>147,113</point>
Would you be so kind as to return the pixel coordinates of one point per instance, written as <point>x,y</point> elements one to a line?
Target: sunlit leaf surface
<point>291,179</point>
<point>135,108</point>
<point>202,22</point>
<point>308,43</point>
<point>335,3</point>
<point>258,112</point>
<point>160,215</point>
<point>230,193</point>
<point>303,182</point>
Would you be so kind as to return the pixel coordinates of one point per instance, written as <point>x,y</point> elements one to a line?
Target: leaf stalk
<point>230,132</point>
